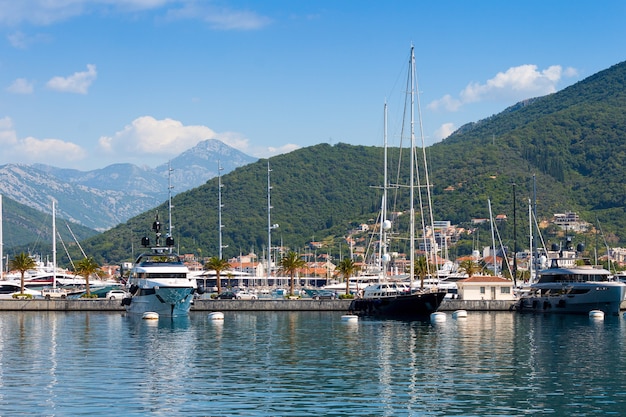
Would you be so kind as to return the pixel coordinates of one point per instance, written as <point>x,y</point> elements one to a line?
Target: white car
<point>245,295</point>
<point>116,295</point>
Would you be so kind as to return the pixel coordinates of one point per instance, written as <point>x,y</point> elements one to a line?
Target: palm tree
<point>469,267</point>
<point>346,268</point>
<point>421,269</point>
<point>218,265</point>
<point>85,268</point>
<point>289,264</point>
<point>22,263</point>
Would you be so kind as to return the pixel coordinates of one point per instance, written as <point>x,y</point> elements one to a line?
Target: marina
<point>310,363</point>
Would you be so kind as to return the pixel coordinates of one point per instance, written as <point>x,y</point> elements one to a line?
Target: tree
<point>289,264</point>
<point>346,268</point>
<point>85,268</point>
<point>469,267</point>
<point>422,268</point>
<point>22,263</point>
<point>218,265</point>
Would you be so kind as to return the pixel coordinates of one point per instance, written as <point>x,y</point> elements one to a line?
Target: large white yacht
<point>568,287</point>
<point>159,281</point>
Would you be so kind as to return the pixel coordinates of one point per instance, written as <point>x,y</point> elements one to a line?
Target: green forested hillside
<point>573,142</point>
<point>20,223</point>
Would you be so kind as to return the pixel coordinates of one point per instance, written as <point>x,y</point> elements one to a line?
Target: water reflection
<point>310,363</point>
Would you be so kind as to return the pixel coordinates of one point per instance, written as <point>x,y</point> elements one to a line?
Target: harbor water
<point>310,364</point>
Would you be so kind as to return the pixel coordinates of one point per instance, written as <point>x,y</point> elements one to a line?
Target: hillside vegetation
<point>20,223</point>
<point>570,145</point>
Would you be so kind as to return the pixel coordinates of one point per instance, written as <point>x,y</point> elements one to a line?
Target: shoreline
<point>237,305</point>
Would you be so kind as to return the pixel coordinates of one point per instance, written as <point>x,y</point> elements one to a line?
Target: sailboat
<point>159,281</point>
<point>399,299</point>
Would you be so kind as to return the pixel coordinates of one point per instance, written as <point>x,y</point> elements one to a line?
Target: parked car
<point>245,295</point>
<point>320,294</point>
<point>116,295</point>
<point>226,295</point>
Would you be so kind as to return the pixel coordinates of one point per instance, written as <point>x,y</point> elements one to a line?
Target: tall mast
<point>432,247</point>
<point>1,244</point>
<point>532,254</point>
<point>169,191</point>
<point>270,226</point>
<point>412,181</point>
<point>493,239</point>
<point>514,239</point>
<point>219,206</point>
<point>54,247</point>
<point>384,223</point>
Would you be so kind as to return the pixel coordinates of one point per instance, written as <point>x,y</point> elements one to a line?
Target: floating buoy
<point>459,314</point>
<point>216,315</point>
<point>596,314</point>
<point>438,316</point>
<point>350,318</point>
<point>150,315</point>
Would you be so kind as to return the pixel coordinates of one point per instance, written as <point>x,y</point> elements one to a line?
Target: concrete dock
<point>233,305</point>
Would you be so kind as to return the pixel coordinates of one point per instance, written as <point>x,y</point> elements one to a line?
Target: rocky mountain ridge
<point>102,198</point>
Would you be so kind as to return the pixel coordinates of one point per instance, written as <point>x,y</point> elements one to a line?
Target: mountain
<point>102,198</point>
<point>568,146</point>
<point>200,163</point>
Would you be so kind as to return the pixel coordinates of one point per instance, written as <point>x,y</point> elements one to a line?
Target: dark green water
<point>310,364</point>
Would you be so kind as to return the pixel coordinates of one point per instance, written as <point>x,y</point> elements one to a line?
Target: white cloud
<point>516,83</point>
<point>20,40</point>
<point>38,12</point>
<point>447,102</point>
<point>444,131</point>
<point>21,86</point>
<point>33,150</point>
<point>220,18</point>
<point>8,137</point>
<point>149,137</point>
<point>79,82</point>
<point>271,150</point>
<point>47,12</point>
<point>50,151</point>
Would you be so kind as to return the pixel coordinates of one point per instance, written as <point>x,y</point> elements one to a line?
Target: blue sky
<point>87,83</point>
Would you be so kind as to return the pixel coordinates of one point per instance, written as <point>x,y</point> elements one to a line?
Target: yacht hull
<point>416,305</point>
<point>580,298</point>
<point>166,301</point>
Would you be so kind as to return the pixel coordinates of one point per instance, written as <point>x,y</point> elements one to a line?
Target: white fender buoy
<point>438,316</point>
<point>150,315</point>
<point>351,318</point>
<point>596,314</point>
<point>460,314</point>
<point>216,315</point>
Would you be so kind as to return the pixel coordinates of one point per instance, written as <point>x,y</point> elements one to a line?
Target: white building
<point>485,288</point>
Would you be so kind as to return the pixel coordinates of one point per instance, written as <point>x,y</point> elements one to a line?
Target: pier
<point>236,305</point>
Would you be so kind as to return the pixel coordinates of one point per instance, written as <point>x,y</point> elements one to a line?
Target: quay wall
<point>61,305</point>
<point>236,305</point>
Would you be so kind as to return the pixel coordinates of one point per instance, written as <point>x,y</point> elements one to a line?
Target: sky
<point>88,83</point>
